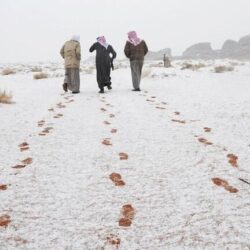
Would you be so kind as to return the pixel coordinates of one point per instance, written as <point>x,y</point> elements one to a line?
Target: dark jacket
<point>136,52</point>
<point>103,54</point>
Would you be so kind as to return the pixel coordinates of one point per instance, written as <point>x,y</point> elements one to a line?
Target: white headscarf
<point>76,38</point>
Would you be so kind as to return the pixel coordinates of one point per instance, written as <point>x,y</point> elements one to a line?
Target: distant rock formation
<point>198,51</point>
<point>159,54</point>
<point>230,49</point>
<point>243,51</point>
<point>236,50</point>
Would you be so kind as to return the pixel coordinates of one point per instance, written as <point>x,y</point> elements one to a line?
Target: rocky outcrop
<point>236,50</point>
<point>200,51</point>
<point>231,49</point>
<point>243,51</point>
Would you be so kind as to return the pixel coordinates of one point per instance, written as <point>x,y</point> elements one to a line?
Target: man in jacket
<point>135,49</point>
<point>71,53</point>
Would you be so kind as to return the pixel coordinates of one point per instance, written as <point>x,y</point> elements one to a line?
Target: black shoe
<point>65,87</point>
<point>109,87</point>
<point>136,89</point>
<point>75,92</point>
<point>101,91</point>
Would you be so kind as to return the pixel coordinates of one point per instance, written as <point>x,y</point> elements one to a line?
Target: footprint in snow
<point>107,122</point>
<point>113,240</point>
<point>3,187</point>
<point>149,100</point>
<point>17,240</point>
<point>41,123</point>
<point>103,109</point>
<point>69,101</point>
<point>207,130</point>
<point>107,142</point>
<point>27,161</point>
<point>128,214</point>
<point>45,131</point>
<point>233,160</point>
<point>158,107</point>
<point>23,146</point>
<point>220,182</point>
<point>123,156</point>
<point>60,106</point>
<point>58,116</point>
<point>117,179</point>
<point>205,141</point>
<point>179,121</point>
<point>4,220</point>
<point>19,166</point>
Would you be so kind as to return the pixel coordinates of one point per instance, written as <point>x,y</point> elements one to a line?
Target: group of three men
<point>135,49</point>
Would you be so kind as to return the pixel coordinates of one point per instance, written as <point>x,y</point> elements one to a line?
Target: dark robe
<point>103,63</point>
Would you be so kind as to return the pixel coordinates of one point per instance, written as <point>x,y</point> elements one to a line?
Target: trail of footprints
<point>127,212</point>
<point>232,158</point>
<point>5,219</point>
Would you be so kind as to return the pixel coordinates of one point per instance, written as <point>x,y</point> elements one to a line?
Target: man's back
<point>71,52</point>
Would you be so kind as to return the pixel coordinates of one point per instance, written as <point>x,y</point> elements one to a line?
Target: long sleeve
<point>127,50</point>
<point>112,51</point>
<point>62,51</point>
<point>78,51</point>
<point>92,48</point>
<point>145,48</point>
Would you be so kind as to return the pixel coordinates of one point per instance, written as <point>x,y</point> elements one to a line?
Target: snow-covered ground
<point>65,199</point>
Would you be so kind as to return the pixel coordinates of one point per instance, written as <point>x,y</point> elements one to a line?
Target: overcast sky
<point>34,30</point>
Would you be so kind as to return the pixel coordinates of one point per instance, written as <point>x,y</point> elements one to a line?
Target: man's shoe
<point>65,87</point>
<point>101,91</point>
<point>136,89</point>
<point>109,87</point>
<point>75,92</point>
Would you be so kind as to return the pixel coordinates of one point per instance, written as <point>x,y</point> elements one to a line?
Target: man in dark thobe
<point>104,62</point>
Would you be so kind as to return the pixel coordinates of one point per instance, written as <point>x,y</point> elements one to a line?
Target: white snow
<point>65,199</point>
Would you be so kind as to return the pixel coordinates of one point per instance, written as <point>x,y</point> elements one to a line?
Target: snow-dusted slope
<point>65,199</point>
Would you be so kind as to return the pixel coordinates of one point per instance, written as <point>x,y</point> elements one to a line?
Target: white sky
<point>35,30</point>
